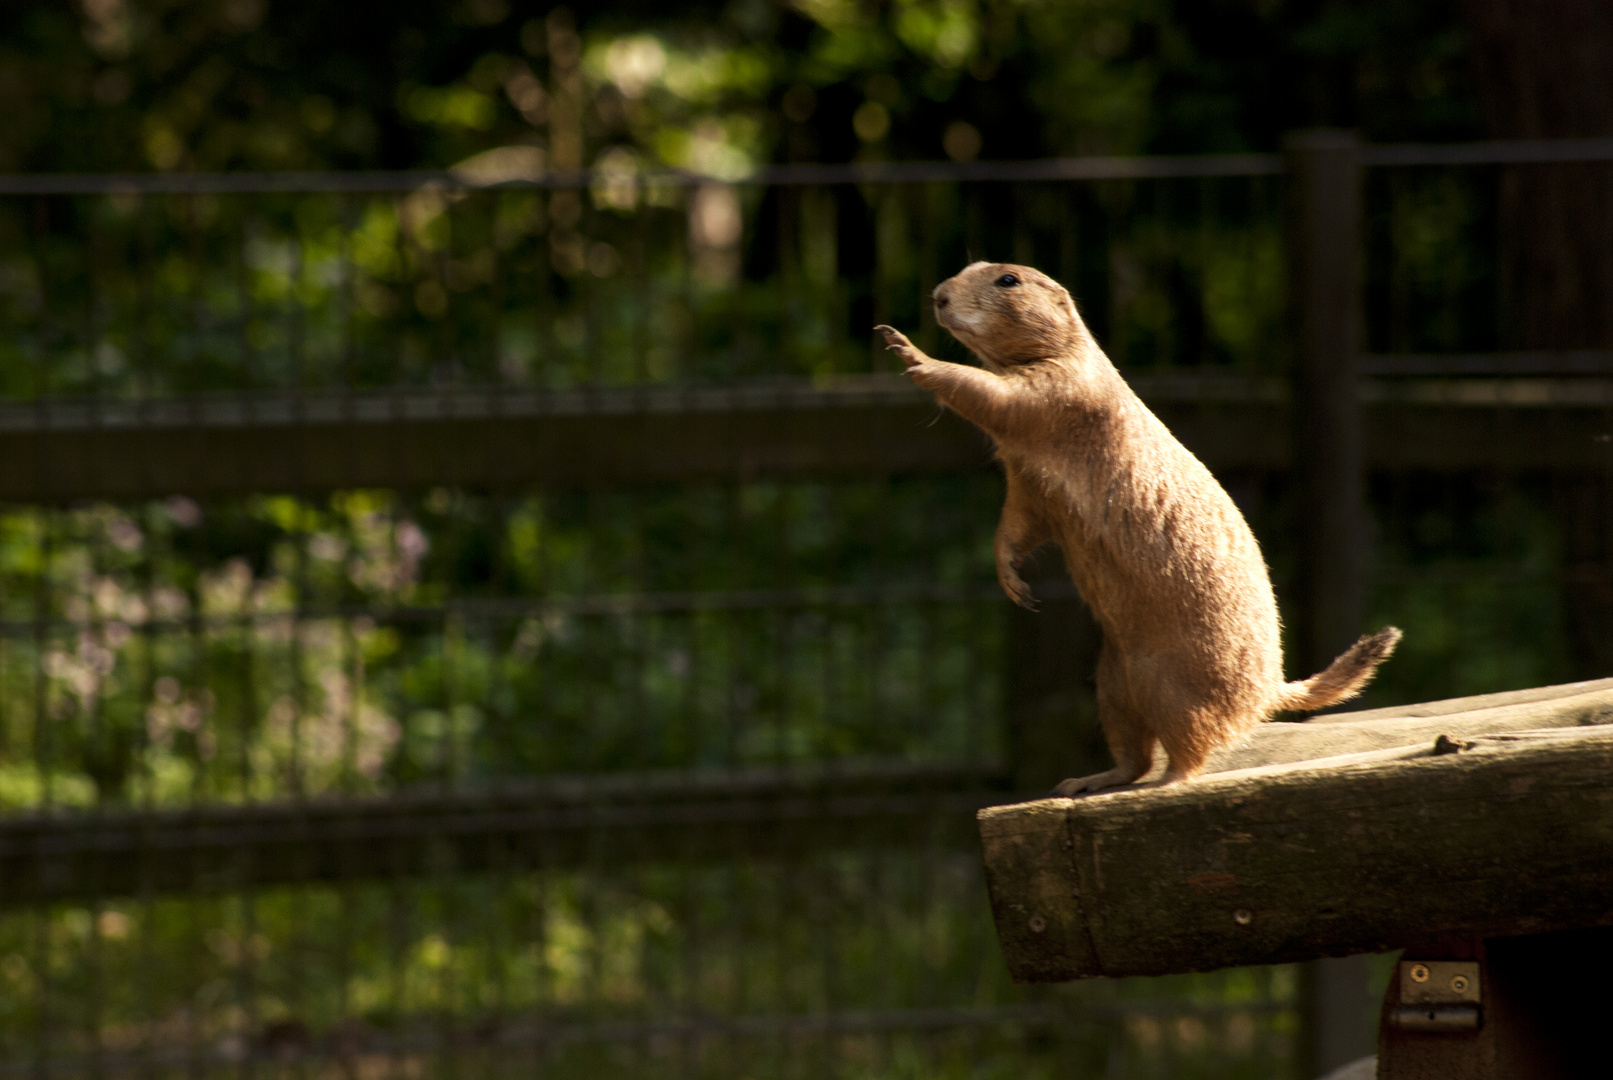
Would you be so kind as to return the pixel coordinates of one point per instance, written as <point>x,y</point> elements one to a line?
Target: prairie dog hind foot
<point>1086,785</point>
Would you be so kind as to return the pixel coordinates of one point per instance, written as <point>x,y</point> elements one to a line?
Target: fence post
<point>1325,237</point>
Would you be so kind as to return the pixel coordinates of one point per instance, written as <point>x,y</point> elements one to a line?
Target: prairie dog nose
<point>940,297</point>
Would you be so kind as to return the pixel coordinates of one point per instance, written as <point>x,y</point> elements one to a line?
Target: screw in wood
<point>1038,924</point>
<point>1243,917</point>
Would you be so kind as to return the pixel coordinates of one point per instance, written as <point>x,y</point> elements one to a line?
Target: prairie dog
<point>1192,655</point>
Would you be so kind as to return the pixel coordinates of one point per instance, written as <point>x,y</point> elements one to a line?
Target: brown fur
<point>1192,654</point>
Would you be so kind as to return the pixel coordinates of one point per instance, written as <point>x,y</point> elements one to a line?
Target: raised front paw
<point>897,342</point>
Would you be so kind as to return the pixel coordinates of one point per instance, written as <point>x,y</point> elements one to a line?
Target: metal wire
<point>644,771</point>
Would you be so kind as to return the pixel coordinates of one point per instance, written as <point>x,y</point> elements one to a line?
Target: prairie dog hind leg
<point>1125,728</point>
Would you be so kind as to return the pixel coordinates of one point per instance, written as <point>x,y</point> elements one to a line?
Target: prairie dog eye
<point>1008,281</point>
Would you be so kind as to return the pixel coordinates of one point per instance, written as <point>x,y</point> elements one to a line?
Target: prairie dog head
<point>1007,314</point>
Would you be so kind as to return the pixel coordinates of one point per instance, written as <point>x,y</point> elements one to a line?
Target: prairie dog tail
<point>1344,677</point>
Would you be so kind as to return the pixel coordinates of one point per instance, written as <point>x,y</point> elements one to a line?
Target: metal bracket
<point>1438,995</point>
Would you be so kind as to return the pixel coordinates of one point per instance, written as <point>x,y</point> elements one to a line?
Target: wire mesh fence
<point>654,773</point>
<point>626,281</point>
<point>274,646</point>
<point>844,964</point>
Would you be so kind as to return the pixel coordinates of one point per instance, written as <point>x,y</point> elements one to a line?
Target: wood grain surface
<point>1491,835</point>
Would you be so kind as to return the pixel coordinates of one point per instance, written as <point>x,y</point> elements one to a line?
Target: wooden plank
<point>1570,705</point>
<point>1036,894</point>
<point>1295,862</point>
<point>1468,704</point>
<point>1275,744</point>
<point>565,822</point>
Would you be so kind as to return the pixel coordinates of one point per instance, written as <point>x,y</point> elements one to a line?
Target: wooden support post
<point>1325,174</point>
<point>1538,1009</point>
<point>1324,170</point>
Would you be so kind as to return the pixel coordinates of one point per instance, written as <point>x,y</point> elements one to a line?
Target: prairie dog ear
<point>1061,296</point>
<point>1051,286</point>
<point>1068,302</point>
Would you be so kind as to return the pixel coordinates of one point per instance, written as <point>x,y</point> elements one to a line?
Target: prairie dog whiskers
<point>1192,653</point>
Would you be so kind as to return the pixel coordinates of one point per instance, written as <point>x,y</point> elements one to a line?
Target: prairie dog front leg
<point>978,396</point>
<point>1019,532</point>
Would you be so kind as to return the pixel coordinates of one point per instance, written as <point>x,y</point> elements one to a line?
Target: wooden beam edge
<point>1132,850</point>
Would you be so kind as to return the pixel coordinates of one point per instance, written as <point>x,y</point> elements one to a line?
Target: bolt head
<point>1419,973</point>
<point>1459,983</point>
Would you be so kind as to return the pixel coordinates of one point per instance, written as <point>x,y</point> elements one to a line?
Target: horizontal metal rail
<point>1412,365</point>
<point>757,813</point>
<point>879,172</point>
<point>1495,152</point>
<point>58,451</point>
<point>491,438</point>
<point>1114,167</point>
<point>485,609</point>
<point>478,611</point>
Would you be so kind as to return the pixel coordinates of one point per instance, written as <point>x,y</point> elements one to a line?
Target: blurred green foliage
<point>783,969</point>
<point>364,641</point>
<point>108,85</point>
<point>254,648</point>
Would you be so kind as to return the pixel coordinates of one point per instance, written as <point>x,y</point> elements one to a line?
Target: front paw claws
<point>1019,592</point>
<point>897,342</point>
